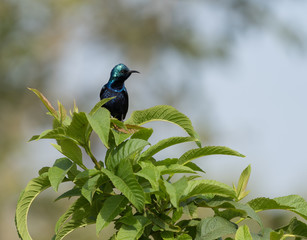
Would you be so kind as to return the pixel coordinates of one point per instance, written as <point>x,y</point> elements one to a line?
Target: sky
<point>257,103</point>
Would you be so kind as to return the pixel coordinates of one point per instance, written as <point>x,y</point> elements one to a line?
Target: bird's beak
<point>133,71</point>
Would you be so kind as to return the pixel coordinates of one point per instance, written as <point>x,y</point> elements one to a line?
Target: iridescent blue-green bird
<point>115,87</point>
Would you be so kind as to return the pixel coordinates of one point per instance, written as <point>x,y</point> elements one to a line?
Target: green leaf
<point>74,192</point>
<point>298,204</point>
<point>231,213</point>
<point>81,215</point>
<point>64,119</point>
<point>174,168</point>
<point>231,208</point>
<point>262,203</point>
<point>151,173</point>
<point>143,133</point>
<point>276,235</point>
<point>34,187</point>
<point>119,137</point>
<point>124,151</point>
<point>113,206</point>
<point>192,177</point>
<point>57,133</point>
<point>166,162</point>
<point>189,226</point>
<point>212,228</point>
<point>87,173</point>
<point>135,228</point>
<point>80,203</point>
<point>126,182</point>
<point>177,214</point>
<point>162,222</point>
<point>70,150</point>
<point>47,104</point>
<point>293,203</point>
<point>249,211</point>
<point>78,129</point>
<point>191,209</point>
<point>75,108</point>
<point>200,187</point>
<point>205,151</point>
<point>243,233</point>
<point>89,188</point>
<point>99,105</point>
<point>184,237</point>
<point>82,177</point>
<point>176,190</point>
<point>242,184</point>
<point>296,228</point>
<point>180,186</point>
<point>57,173</point>
<point>167,235</point>
<point>43,170</point>
<point>263,234</point>
<point>194,167</point>
<point>73,172</point>
<point>171,191</point>
<point>164,144</point>
<point>163,113</point>
<point>100,122</point>
<point>118,124</point>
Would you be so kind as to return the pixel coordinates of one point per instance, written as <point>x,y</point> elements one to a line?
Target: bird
<point>115,87</point>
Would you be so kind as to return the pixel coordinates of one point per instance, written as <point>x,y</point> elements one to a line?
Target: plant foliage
<point>138,192</point>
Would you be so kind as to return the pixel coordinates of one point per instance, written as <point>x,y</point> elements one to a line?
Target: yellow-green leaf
<point>163,113</point>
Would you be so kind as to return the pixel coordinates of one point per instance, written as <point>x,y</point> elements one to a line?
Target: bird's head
<point>121,72</point>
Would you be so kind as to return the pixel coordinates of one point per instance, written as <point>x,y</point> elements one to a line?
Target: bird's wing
<point>125,104</point>
<point>101,92</point>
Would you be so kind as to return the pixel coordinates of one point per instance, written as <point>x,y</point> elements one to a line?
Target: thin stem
<point>240,220</point>
<point>169,177</point>
<point>94,160</point>
<point>287,235</point>
<point>83,167</point>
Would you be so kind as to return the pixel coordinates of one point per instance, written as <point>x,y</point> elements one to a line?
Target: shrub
<point>137,192</point>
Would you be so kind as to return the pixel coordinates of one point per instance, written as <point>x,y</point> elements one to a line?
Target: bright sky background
<point>257,104</point>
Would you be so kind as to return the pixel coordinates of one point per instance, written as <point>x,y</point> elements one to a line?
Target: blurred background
<point>236,68</point>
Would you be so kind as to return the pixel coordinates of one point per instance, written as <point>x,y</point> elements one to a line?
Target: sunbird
<point>115,87</point>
